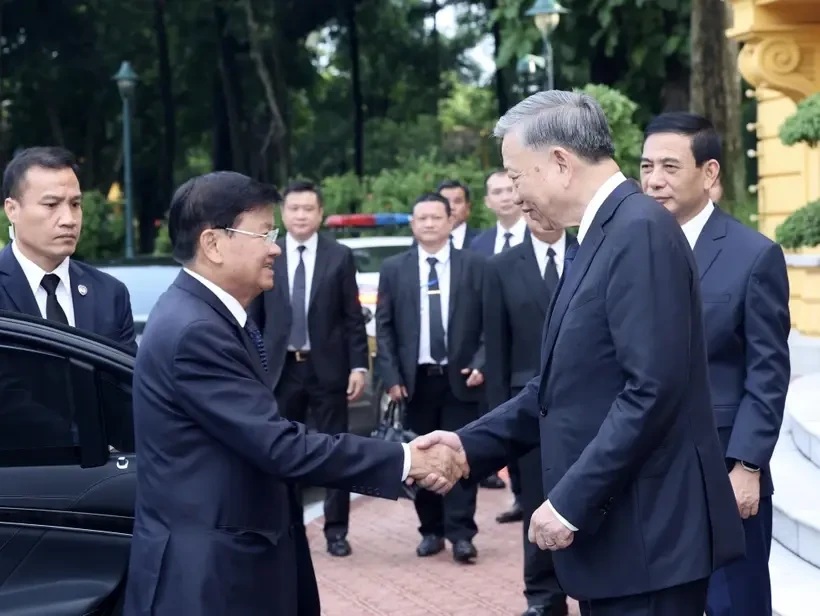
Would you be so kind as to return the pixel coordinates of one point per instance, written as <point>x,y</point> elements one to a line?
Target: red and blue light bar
<point>367,220</point>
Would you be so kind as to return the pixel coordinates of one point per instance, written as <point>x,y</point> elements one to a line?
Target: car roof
<point>375,242</point>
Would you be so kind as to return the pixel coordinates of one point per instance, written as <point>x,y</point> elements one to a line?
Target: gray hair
<point>571,120</point>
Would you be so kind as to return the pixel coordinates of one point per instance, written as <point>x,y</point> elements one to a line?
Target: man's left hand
<point>474,377</point>
<point>746,485</point>
<point>547,530</point>
<point>355,385</point>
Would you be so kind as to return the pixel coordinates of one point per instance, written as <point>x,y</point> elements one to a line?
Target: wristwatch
<point>752,468</point>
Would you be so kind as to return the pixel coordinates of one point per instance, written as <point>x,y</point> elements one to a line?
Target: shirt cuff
<point>562,519</point>
<point>407,459</point>
<point>359,370</point>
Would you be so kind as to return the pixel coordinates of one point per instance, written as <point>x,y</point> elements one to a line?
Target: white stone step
<point>803,409</point>
<point>795,584</point>
<point>796,501</point>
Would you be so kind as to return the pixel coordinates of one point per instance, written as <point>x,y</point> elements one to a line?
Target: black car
<point>67,469</point>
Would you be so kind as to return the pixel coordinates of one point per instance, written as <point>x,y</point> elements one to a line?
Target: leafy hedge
<point>803,126</point>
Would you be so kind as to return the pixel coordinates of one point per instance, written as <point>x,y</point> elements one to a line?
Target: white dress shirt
<point>458,234</point>
<point>518,231</point>
<point>694,227</point>
<point>309,258</point>
<point>586,221</point>
<point>241,316</point>
<point>34,275</point>
<point>443,273</point>
<point>540,248</point>
<point>597,201</point>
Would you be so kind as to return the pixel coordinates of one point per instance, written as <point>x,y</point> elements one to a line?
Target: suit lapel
<point>83,303</point>
<point>531,277</point>
<point>319,267</point>
<point>709,244</point>
<point>193,286</point>
<point>586,252</point>
<point>280,267</point>
<point>456,267</point>
<point>14,284</point>
<point>413,286</point>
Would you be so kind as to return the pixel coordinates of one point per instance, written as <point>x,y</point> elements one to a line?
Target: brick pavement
<point>384,576</point>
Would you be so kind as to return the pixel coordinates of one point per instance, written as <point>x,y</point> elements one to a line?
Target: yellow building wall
<point>780,57</point>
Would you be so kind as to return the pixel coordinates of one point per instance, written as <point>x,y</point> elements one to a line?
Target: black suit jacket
<point>484,242</point>
<point>516,300</point>
<point>218,528</point>
<point>338,340</point>
<point>469,235</point>
<point>630,450</point>
<point>105,309</point>
<point>398,315</point>
<point>745,290</point>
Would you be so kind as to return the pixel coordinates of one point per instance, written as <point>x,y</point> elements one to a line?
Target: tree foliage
<point>803,126</point>
<point>801,229</point>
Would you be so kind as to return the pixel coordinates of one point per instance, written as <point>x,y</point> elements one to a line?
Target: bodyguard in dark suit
<point>639,508</point>
<point>37,275</point>
<point>314,329</point>
<point>218,528</point>
<point>458,194</point>
<point>522,281</point>
<point>745,292</point>
<point>430,352</point>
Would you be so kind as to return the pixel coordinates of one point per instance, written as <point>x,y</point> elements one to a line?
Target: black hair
<point>212,201</point>
<point>434,196</point>
<point>300,186</point>
<point>48,157</point>
<point>455,184</point>
<point>705,139</point>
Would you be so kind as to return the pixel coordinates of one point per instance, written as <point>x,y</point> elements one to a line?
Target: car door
<point>67,470</point>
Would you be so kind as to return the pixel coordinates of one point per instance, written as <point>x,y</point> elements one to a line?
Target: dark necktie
<point>506,245</point>
<point>551,272</point>
<point>54,312</point>
<point>438,344</point>
<point>298,328</point>
<point>258,341</point>
<point>569,256</point>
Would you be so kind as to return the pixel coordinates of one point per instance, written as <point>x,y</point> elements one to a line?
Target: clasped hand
<point>437,461</point>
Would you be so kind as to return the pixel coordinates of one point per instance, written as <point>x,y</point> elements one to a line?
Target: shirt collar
<point>694,227</point>
<point>518,229</point>
<point>459,231</point>
<point>310,244</point>
<point>442,255</point>
<point>559,247</point>
<point>34,273</point>
<point>231,303</point>
<point>597,201</point>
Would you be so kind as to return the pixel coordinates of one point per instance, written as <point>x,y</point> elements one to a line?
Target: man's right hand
<point>439,443</point>
<point>397,393</point>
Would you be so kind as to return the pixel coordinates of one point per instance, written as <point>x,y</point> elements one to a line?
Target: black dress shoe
<point>430,545</point>
<point>493,482</point>
<point>464,551</point>
<point>513,514</point>
<point>339,547</point>
<point>535,610</point>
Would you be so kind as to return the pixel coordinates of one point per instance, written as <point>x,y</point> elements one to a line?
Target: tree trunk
<point>231,91</point>
<point>276,129</point>
<point>715,88</point>
<point>356,88</point>
<point>166,164</point>
<point>501,95</point>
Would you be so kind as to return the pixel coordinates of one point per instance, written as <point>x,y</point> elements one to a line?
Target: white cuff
<point>562,519</point>
<point>359,370</point>
<point>407,459</point>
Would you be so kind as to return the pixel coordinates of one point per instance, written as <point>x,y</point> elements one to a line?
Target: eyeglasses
<point>270,236</point>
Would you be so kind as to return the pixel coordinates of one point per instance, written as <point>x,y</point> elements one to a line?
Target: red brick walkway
<point>384,576</point>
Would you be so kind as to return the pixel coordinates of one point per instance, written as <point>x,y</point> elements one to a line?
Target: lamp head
<point>126,80</point>
<point>547,14</point>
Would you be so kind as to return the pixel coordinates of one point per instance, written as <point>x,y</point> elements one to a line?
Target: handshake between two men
<point>438,461</point>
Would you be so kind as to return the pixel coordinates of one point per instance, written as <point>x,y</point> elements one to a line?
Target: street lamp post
<point>547,14</point>
<point>126,80</point>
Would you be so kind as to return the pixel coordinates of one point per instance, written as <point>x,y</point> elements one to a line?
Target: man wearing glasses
<point>314,328</point>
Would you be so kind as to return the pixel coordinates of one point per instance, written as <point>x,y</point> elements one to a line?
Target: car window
<point>145,284</point>
<point>36,401</point>
<point>117,412</point>
<point>369,259</point>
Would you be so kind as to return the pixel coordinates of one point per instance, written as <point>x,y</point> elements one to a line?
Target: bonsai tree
<point>802,228</point>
